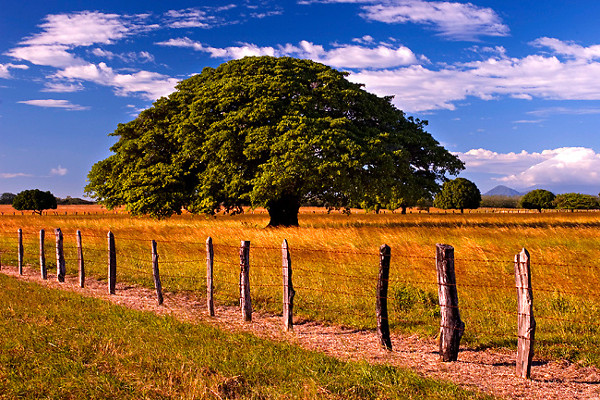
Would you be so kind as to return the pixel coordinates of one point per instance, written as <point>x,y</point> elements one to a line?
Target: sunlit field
<point>335,261</point>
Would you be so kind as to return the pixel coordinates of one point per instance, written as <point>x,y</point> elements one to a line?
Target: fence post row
<point>156,274</point>
<point>20,251</point>
<point>245,302</point>
<point>210,259</point>
<point>288,287</point>
<point>43,269</point>
<point>526,322</point>
<point>112,263</point>
<point>383,326</point>
<point>80,261</point>
<point>451,326</point>
<point>60,256</point>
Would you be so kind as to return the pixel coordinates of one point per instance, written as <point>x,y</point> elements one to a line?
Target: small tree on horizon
<point>576,201</point>
<point>459,193</point>
<point>34,200</point>
<point>537,199</point>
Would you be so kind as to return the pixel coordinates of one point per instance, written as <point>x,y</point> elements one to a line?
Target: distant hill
<point>502,190</point>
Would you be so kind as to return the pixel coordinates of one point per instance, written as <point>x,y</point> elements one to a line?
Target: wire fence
<point>341,286</point>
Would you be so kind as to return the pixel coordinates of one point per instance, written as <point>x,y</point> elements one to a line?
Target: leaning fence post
<point>288,287</point>
<point>43,269</point>
<point>156,274</point>
<point>451,326</point>
<point>20,251</point>
<point>383,326</point>
<point>245,301</point>
<point>210,259</point>
<point>60,256</point>
<point>80,261</point>
<point>112,263</point>
<point>526,322</point>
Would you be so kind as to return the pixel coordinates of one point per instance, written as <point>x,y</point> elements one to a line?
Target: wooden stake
<point>80,261</point>
<point>20,251</point>
<point>156,274</point>
<point>60,256</point>
<point>112,264</point>
<point>43,269</point>
<point>383,326</point>
<point>288,288</point>
<point>451,326</point>
<point>526,322</point>
<point>245,301</point>
<point>210,259</point>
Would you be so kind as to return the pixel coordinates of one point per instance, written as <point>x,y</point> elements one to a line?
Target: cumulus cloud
<point>453,20</point>
<point>51,103</point>
<point>5,69</point>
<point>341,56</point>
<point>565,166</point>
<point>58,171</point>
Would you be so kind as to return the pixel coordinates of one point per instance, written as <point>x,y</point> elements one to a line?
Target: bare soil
<point>489,371</point>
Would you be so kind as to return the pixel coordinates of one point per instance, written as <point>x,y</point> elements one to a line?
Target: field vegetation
<point>335,261</point>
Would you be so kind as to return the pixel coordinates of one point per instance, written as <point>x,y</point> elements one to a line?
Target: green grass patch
<point>59,345</point>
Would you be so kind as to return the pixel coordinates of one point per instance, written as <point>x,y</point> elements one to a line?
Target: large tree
<point>34,200</point>
<point>537,199</point>
<point>269,132</point>
<point>458,193</point>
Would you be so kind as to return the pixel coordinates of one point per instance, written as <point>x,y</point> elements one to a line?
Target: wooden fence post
<point>156,274</point>
<point>112,263</point>
<point>80,261</point>
<point>526,322</point>
<point>60,256</point>
<point>245,301</point>
<point>383,326</point>
<point>210,259</point>
<point>451,326</point>
<point>43,269</point>
<point>288,287</point>
<point>20,251</point>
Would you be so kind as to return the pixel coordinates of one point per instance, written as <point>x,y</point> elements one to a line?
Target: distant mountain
<point>502,190</point>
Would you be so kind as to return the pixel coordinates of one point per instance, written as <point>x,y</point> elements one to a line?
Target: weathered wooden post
<point>156,274</point>
<point>60,256</point>
<point>20,251</point>
<point>288,287</point>
<point>383,326</point>
<point>112,263</point>
<point>526,322</point>
<point>245,301</point>
<point>210,259</point>
<point>451,326</point>
<point>80,261</point>
<point>43,269</point>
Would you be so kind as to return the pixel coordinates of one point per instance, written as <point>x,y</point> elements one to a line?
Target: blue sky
<point>511,87</point>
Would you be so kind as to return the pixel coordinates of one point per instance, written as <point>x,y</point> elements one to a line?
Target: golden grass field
<point>335,263</point>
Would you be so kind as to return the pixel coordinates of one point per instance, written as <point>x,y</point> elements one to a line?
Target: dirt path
<point>490,371</point>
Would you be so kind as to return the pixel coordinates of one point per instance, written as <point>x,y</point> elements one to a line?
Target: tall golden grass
<point>335,262</point>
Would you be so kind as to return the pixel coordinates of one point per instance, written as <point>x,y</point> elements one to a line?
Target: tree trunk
<point>284,211</point>
<point>403,210</point>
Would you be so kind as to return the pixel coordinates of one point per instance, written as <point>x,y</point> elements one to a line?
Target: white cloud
<point>58,87</point>
<point>57,56</point>
<point>142,56</point>
<point>51,103</point>
<point>343,56</point>
<point>58,171</point>
<point>568,48</point>
<point>566,166</point>
<point>453,20</point>
<point>10,175</point>
<point>5,69</point>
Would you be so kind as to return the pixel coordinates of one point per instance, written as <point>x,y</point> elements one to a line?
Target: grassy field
<point>59,345</point>
<point>335,261</point>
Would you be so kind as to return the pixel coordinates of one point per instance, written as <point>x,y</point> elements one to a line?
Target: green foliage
<point>269,132</point>
<point>459,193</point>
<point>7,198</point>
<point>576,201</point>
<point>537,199</point>
<point>68,201</point>
<point>499,201</point>
<point>406,297</point>
<point>34,200</point>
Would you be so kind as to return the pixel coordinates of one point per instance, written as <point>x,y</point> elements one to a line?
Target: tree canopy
<point>34,200</point>
<point>576,201</point>
<point>459,193</point>
<point>537,199</point>
<point>269,132</point>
